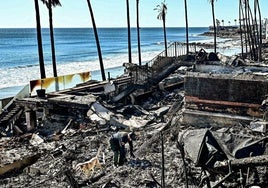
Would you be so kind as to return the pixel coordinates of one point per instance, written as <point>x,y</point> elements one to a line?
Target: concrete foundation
<point>30,119</point>
<point>211,119</point>
<point>223,99</point>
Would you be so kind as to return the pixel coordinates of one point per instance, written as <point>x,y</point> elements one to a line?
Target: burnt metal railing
<point>149,69</point>
<point>152,72</point>
<point>175,49</point>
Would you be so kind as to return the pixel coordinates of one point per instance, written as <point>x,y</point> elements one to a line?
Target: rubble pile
<point>71,128</point>
<point>192,156</point>
<point>61,144</point>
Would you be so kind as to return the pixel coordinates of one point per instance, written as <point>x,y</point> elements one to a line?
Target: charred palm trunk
<point>214,27</point>
<point>186,27</point>
<point>128,34</point>
<point>252,33</point>
<point>257,34</point>
<point>240,28</point>
<point>248,29</point>
<point>245,31</point>
<point>138,32</point>
<point>39,40</point>
<point>52,39</point>
<point>165,33</point>
<point>97,40</point>
<point>260,30</point>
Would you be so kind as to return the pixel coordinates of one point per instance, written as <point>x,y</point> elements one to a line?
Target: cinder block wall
<point>226,88</point>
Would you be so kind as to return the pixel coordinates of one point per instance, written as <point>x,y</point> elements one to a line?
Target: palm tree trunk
<point>260,30</point>
<point>187,28</point>
<point>129,33</point>
<point>240,27</point>
<point>52,39</point>
<point>256,30</point>
<point>39,40</point>
<point>97,40</point>
<point>244,27</point>
<point>252,34</point>
<point>138,32</point>
<point>214,27</point>
<point>165,33</point>
<point>248,28</point>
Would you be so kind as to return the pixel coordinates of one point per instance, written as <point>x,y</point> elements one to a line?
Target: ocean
<point>76,51</point>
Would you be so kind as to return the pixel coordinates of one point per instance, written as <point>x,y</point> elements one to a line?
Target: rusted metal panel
<point>238,108</point>
<point>227,103</point>
<point>59,83</point>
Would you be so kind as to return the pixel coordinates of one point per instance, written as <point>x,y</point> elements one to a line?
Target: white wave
<point>11,77</point>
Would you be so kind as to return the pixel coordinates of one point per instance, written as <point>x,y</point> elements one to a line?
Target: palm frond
<point>162,10</point>
<point>54,3</point>
<point>211,1</point>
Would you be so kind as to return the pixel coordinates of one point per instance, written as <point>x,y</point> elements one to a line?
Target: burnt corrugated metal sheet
<point>59,83</point>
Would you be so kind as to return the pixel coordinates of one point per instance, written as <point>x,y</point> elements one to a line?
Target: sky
<point>112,13</point>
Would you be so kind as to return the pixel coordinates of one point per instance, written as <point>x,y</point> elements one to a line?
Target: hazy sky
<point>112,13</point>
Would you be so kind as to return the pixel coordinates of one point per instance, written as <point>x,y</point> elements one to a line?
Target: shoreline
<point>226,46</point>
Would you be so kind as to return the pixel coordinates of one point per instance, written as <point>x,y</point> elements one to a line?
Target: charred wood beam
<point>152,176</point>
<point>163,161</point>
<point>18,165</point>
<point>219,183</point>
<point>244,162</point>
<point>160,76</point>
<point>71,179</point>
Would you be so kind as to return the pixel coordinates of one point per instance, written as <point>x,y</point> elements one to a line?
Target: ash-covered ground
<point>58,153</point>
<point>52,151</point>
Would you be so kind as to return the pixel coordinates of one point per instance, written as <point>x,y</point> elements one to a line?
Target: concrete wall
<point>224,88</point>
<point>223,99</point>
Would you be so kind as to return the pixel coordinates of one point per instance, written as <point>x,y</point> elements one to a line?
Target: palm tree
<point>257,4</point>
<point>129,33</point>
<point>49,4</point>
<point>39,41</point>
<point>97,40</point>
<point>162,11</point>
<point>251,29</point>
<point>222,22</point>
<point>138,31</point>
<point>218,23</point>
<point>235,22</point>
<point>229,22</point>
<point>186,27</point>
<point>240,26</point>
<point>214,24</point>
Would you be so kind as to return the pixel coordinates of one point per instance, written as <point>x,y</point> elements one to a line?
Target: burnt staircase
<point>8,118</point>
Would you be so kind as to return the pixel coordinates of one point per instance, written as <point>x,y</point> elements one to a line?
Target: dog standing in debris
<point>88,167</point>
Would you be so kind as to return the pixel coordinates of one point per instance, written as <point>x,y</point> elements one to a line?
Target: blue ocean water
<point>76,51</point>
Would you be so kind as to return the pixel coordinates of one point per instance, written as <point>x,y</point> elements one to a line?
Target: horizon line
<point>99,27</point>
